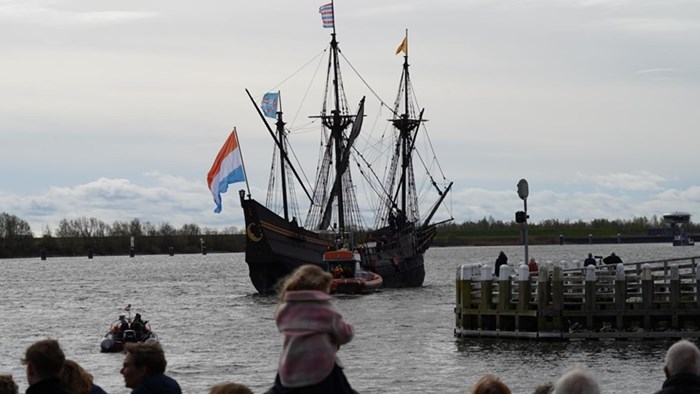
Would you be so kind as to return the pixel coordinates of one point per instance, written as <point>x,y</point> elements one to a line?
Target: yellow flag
<point>403,47</point>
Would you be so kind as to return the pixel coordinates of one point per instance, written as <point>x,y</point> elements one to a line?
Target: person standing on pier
<point>501,260</point>
<point>682,369</point>
<point>613,259</point>
<point>532,265</point>
<point>589,261</point>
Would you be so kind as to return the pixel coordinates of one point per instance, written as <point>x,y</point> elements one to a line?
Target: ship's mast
<point>406,124</point>
<point>283,151</point>
<point>405,157</point>
<point>337,122</point>
<point>336,119</point>
<point>337,128</point>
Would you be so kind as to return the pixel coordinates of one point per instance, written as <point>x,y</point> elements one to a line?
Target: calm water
<point>215,328</point>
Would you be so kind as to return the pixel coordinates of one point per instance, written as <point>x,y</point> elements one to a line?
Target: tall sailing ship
<point>276,243</point>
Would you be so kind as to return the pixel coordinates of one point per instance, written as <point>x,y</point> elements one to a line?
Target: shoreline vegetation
<point>90,236</point>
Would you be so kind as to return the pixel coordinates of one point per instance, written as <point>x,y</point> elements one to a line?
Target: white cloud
<point>42,13</point>
<point>178,201</point>
<point>653,25</point>
<point>168,199</point>
<point>114,120</point>
<point>638,181</point>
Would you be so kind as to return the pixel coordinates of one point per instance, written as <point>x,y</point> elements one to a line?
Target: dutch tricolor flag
<point>227,168</point>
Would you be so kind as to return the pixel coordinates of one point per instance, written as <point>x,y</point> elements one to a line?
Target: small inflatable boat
<point>344,265</point>
<point>127,329</point>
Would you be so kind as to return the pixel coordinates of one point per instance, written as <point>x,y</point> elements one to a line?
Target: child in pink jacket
<point>313,331</point>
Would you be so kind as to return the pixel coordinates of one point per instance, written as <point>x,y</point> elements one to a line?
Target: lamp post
<point>521,217</point>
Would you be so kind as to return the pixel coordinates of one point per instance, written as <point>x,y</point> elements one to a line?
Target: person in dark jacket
<point>613,259</point>
<point>682,369</point>
<point>501,260</point>
<point>589,261</point>
<point>144,370</point>
<point>44,361</point>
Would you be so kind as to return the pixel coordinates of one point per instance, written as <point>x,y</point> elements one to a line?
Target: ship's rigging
<point>333,201</point>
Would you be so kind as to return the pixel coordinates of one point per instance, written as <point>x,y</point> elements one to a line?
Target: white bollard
<point>504,273</point>
<point>465,272</point>
<point>590,273</point>
<point>523,273</point>
<point>620,271</point>
<point>486,273</point>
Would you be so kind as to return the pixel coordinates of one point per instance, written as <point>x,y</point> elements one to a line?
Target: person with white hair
<point>682,369</point>
<point>577,380</point>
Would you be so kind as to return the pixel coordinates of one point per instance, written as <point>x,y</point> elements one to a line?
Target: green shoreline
<point>235,243</point>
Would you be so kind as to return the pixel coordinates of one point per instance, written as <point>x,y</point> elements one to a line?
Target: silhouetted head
<point>44,359</point>
<point>682,357</point>
<point>577,380</point>
<point>489,384</point>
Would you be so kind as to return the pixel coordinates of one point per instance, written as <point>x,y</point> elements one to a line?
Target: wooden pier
<point>643,300</point>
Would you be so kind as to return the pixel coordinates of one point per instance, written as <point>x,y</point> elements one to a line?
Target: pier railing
<point>650,299</point>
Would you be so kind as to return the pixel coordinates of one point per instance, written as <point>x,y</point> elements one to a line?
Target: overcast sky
<point>116,110</point>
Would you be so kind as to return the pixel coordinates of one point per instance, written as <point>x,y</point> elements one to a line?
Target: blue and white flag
<point>269,104</point>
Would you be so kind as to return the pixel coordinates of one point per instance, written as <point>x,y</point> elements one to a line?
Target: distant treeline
<point>489,231</point>
<point>82,235</point>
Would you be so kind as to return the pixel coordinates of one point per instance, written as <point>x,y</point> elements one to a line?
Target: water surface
<point>215,328</point>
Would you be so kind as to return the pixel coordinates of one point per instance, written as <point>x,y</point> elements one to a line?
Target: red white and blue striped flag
<point>326,11</point>
<point>227,169</point>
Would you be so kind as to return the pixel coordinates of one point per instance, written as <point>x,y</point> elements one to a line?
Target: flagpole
<point>333,13</point>
<point>245,175</point>
<point>406,43</point>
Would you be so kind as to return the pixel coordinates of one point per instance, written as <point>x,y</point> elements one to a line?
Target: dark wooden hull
<point>275,247</point>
